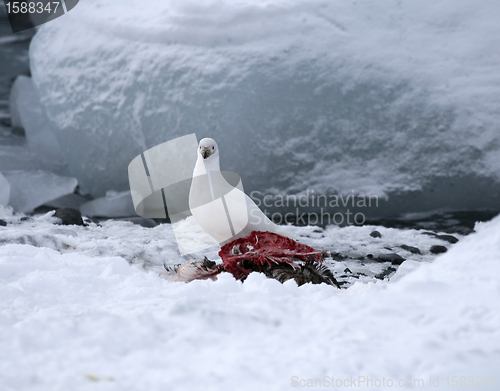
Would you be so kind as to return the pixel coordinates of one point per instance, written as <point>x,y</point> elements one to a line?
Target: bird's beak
<point>206,153</point>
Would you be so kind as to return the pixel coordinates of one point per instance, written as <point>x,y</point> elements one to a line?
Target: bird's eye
<point>212,148</point>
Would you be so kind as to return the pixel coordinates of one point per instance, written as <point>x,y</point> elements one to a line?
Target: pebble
<point>3,223</point>
<point>438,249</point>
<point>375,234</point>
<point>395,259</point>
<point>413,250</point>
<point>385,273</point>
<point>89,220</point>
<point>460,230</point>
<point>448,238</point>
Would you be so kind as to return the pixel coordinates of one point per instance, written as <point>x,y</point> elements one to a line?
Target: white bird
<point>221,208</point>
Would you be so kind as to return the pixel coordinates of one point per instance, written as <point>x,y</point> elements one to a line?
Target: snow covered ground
<point>339,97</point>
<point>74,313</point>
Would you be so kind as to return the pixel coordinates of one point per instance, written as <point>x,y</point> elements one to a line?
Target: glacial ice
<point>380,98</point>
<point>27,113</point>
<point>16,155</point>
<point>73,201</point>
<point>15,115</point>
<point>114,204</point>
<point>4,191</point>
<point>31,189</point>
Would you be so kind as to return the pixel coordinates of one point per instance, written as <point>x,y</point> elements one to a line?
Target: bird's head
<point>208,148</point>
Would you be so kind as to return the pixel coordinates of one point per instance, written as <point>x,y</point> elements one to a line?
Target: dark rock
<point>460,230</point>
<point>448,238</point>
<point>347,270</point>
<point>438,249</point>
<point>26,218</point>
<point>3,223</point>
<point>375,234</point>
<point>385,273</point>
<point>73,201</point>
<point>69,216</point>
<point>395,259</point>
<point>369,256</point>
<point>337,256</point>
<point>88,220</point>
<point>411,249</point>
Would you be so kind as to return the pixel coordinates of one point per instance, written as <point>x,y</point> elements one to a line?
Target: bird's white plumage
<point>226,217</point>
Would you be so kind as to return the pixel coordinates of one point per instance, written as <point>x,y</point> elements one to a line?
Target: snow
<point>76,315</point>
<point>388,98</point>
<point>31,189</point>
